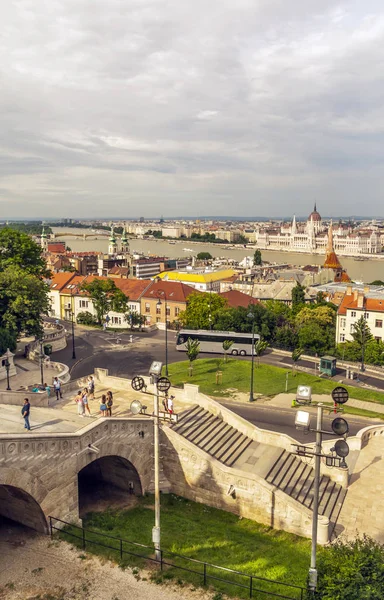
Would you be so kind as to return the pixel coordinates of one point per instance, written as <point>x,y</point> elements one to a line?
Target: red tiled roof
<point>133,288</point>
<point>175,291</point>
<point>236,298</point>
<point>370,304</point>
<point>60,280</point>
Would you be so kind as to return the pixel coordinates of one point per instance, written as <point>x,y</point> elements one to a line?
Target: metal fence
<point>206,571</point>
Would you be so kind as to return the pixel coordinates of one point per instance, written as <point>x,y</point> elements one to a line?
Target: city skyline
<point>264,106</point>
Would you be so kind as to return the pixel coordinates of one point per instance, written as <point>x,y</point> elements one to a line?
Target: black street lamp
<point>250,315</point>
<point>7,365</point>
<point>362,367</point>
<point>73,328</point>
<point>161,293</point>
<point>42,356</point>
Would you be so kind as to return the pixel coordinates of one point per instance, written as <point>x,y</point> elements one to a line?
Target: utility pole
<point>156,427</point>
<point>316,485</point>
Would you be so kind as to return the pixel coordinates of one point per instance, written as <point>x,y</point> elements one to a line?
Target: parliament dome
<point>315,216</point>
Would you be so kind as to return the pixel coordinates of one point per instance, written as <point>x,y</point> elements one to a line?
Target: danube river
<point>366,270</point>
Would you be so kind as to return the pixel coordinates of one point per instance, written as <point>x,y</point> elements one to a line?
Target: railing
<point>252,583</point>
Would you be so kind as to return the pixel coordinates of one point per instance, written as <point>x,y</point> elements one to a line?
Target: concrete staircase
<point>278,467</point>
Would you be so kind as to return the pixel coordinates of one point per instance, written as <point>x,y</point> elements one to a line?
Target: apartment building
<point>173,296</point>
<point>355,304</point>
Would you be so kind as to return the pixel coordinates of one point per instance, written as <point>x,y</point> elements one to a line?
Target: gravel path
<point>35,568</point>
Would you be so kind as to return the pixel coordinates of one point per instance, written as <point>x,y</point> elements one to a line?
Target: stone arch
<point>20,506</point>
<point>141,461</point>
<point>107,477</point>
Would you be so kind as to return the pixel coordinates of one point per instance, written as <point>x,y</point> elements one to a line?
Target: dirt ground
<point>35,568</point>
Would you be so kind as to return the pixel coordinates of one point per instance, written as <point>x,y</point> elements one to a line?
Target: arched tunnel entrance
<point>109,480</point>
<point>17,505</point>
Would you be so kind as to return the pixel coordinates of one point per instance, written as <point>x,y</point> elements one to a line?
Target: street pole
<point>73,329</point>
<point>156,427</point>
<point>362,368</point>
<point>312,584</point>
<point>166,336</point>
<point>7,365</point>
<point>41,363</point>
<point>252,360</point>
<point>286,382</point>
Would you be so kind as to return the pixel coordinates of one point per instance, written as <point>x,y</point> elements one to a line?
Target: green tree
<point>259,348</point>
<point>19,250</point>
<point>23,301</point>
<point>102,293</point>
<point>134,319</point>
<point>324,316</point>
<point>199,308</point>
<point>377,282</point>
<point>7,340</point>
<point>227,344</point>
<point>119,301</point>
<point>298,296</point>
<point>257,259</point>
<point>204,256</point>
<point>351,570</point>
<point>193,350</point>
<point>296,354</point>
<point>361,332</point>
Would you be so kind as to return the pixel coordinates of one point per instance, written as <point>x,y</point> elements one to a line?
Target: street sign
<point>340,395</point>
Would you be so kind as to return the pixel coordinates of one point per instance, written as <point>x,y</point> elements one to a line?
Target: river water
<point>359,270</point>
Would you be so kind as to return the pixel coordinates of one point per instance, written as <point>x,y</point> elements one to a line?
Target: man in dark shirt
<point>25,413</point>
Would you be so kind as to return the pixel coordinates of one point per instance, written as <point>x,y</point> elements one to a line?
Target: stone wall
<point>195,475</point>
<point>45,466</point>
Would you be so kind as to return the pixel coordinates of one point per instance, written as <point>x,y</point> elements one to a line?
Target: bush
<point>86,318</point>
<point>7,340</point>
<point>351,571</point>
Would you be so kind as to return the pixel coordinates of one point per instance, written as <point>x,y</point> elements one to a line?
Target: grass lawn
<point>209,535</point>
<point>268,380</point>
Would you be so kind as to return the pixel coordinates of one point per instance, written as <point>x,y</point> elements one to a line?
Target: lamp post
<point>162,384</point>
<point>250,315</point>
<point>362,367</point>
<point>161,293</point>
<point>7,365</point>
<point>73,328</point>
<point>42,355</point>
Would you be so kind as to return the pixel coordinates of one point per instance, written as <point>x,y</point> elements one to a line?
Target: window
<point>157,319</point>
<point>352,328</point>
<point>168,311</point>
<point>116,320</point>
<point>177,311</point>
<point>158,310</point>
<point>366,315</point>
<point>353,313</point>
<point>342,337</point>
<point>343,322</point>
<point>378,339</point>
<point>147,307</point>
<point>83,303</point>
<point>378,323</point>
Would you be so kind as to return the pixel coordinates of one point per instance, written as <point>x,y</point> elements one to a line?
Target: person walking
<point>170,404</point>
<point>47,389</point>
<point>84,398</point>
<point>91,388</point>
<point>57,388</point>
<point>109,403</point>
<point>80,404</point>
<point>25,411</point>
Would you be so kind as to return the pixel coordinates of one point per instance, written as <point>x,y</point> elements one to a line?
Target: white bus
<point>212,341</point>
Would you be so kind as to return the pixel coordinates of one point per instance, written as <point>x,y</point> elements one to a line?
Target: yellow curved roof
<point>196,277</point>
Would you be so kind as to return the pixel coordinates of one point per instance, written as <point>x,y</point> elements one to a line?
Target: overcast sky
<point>191,107</point>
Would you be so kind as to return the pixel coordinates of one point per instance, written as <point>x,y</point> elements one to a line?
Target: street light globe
<point>302,419</point>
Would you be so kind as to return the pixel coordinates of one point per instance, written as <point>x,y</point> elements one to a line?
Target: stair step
<point>277,466</point>
<point>217,436</point>
<point>199,427</point>
<point>226,448</point>
<point>189,421</point>
<point>305,476</point>
<point>290,474</point>
<point>205,433</point>
<point>218,442</point>
<point>295,481</point>
<point>283,470</point>
<point>239,452</point>
<point>327,495</point>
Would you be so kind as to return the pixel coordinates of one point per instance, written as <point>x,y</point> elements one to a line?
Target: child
<point>103,406</point>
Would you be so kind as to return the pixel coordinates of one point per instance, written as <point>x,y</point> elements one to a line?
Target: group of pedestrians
<point>83,397</point>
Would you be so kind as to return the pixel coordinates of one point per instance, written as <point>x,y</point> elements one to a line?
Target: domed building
<point>314,221</point>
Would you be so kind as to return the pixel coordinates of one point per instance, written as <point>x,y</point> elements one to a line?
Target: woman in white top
<point>80,404</point>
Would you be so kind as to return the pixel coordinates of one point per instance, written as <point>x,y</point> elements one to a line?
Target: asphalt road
<point>95,348</point>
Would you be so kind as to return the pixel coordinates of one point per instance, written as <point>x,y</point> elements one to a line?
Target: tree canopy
<point>105,297</point>
<point>202,310</point>
<point>204,256</point>
<point>257,259</point>
<point>18,249</point>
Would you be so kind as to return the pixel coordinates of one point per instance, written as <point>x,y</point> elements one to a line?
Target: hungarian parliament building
<point>312,236</point>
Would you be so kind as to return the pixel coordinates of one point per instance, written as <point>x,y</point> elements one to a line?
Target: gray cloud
<point>147,107</point>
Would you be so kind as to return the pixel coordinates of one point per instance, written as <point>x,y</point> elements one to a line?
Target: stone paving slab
<point>362,511</point>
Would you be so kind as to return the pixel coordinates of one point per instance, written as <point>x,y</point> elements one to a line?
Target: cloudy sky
<point>191,107</point>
